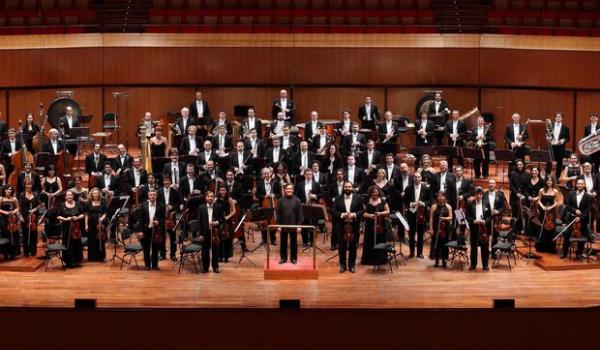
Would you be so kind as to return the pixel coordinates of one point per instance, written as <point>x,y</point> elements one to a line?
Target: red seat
<point>496,17</point>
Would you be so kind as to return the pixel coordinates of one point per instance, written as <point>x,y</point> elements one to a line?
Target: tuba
<point>590,144</point>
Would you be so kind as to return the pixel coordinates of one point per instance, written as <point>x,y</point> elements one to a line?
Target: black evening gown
<point>368,254</point>
<point>74,253</point>
<point>96,248</point>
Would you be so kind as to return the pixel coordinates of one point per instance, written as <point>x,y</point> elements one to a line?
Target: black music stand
<point>313,213</point>
<point>505,156</point>
<point>42,160</point>
<point>261,215</point>
<point>243,256</point>
<point>79,134</point>
<point>387,147</point>
<point>117,207</point>
<point>187,159</point>
<point>539,156</point>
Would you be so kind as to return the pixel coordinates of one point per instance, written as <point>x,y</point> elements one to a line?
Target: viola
<point>484,235</point>
<point>348,231</point>
<point>380,225</point>
<point>33,222</point>
<point>549,221</point>
<point>13,223</point>
<point>102,235</point>
<point>214,235</point>
<point>421,215</point>
<point>441,231</point>
<point>170,221</point>
<point>270,202</point>
<point>157,236</point>
<point>75,230</point>
<point>576,229</point>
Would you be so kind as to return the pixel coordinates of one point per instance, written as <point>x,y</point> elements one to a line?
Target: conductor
<point>289,212</point>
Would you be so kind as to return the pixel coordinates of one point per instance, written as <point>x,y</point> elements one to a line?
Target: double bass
<point>40,138</point>
<point>18,160</point>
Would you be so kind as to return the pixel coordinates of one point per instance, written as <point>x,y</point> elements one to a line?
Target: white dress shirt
<point>151,213</point>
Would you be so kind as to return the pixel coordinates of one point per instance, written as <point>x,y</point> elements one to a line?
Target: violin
<point>75,230</point>
<point>441,231</point>
<point>484,235</point>
<point>421,215</point>
<point>348,231</point>
<point>549,220</point>
<point>214,234</point>
<point>170,220</point>
<point>32,222</point>
<point>102,235</point>
<point>13,223</point>
<point>379,225</point>
<point>576,229</point>
<point>157,236</point>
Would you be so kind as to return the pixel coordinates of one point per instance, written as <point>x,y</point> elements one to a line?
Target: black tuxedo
<point>270,158</point>
<point>65,123</point>
<point>499,205</point>
<point>359,176</point>
<point>261,192</point>
<point>130,178</point>
<point>395,173</point>
<point>190,121</point>
<point>260,147</point>
<point>227,143</point>
<point>594,159</point>
<point>150,248</point>
<point>510,137</point>
<point>174,198</point>
<point>481,165</point>
<point>450,187</point>
<point>185,147</point>
<point>362,115</point>
<point>201,159</point>
<point>168,171</point>
<point>315,143</point>
<point>376,160</point>
<point>442,109</point>
<point>595,181</point>
<point>185,189</point>
<point>461,129</point>
<point>257,125</point>
<point>309,131</point>
<point>429,129</point>
<point>273,126</point>
<point>296,162</point>
<point>293,144</point>
<point>6,150</point>
<point>207,177</point>
<point>339,126</point>
<point>236,190</point>
<point>416,228</point>
<point>276,108</point>
<point>301,194</point>
<point>90,163</point>
<point>228,126</point>
<point>113,186</point>
<point>207,245</point>
<point>347,143</point>
<point>205,112</point>
<point>60,145</point>
<point>477,240</point>
<point>126,163</point>
<point>558,151</point>
<point>234,161</point>
<point>466,188</point>
<point>337,209</point>
<point>382,131</point>
<point>571,207</point>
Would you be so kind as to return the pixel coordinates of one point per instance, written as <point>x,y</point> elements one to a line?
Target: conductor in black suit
<point>368,113</point>
<point>289,212</point>
<point>152,214</point>
<point>285,105</point>
<point>200,110</point>
<point>557,138</point>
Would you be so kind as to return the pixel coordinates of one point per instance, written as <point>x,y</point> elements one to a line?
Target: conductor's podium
<point>304,269</point>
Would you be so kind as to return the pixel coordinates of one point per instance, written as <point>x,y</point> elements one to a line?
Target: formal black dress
<point>572,171</point>
<point>74,253</point>
<point>96,248</point>
<point>438,243</point>
<point>546,243</point>
<point>49,187</point>
<point>157,151</point>
<point>29,131</point>
<point>30,237</point>
<point>371,237</point>
<point>226,244</point>
<point>12,249</point>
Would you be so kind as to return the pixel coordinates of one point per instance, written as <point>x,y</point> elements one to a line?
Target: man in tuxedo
<point>344,126</point>
<point>590,129</point>
<point>240,159</point>
<point>3,130</point>
<point>370,160</point>
<point>251,122</point>
<point>168,197</point>
<point>354,141</point>
<point>438,112</point>
<point>211,217</point>
<point>54,145</point>
<point>592,184</point>
<point>289,142</point>
<point>416,198</point>
<point>266,187</point>
<point>318,176</point>
<point>94,162</point>
<point>302,160</point>
<point>189,184</point>
<point>136,176</point>
<point>388,129</point>
<point>190,144</point>
<point>464,186</point>
<point>496,202</point>
<point>174,169</point>
<point>578,205</point>
<point>108,183</point>
<point>222,121</point>
<point>200,110</point>
<point>68,121</point>
<point>479,215</point>
<point>456,130</point>
<point>255,145</point>
<point>481,163</point>
<point>320,142</point>
<point>336,189</point>
<point>123,160</point>
<point>211,174</point>
<point>313,127</point>
<point>398,193</point>
<point>149,186</point>
<point>348,208</point>
<point>205,155</point>
<point>557,138</point>
<point>289,212</point>
<point>152,215</point>
<point>445,181</point>
<point>424,129</point>
<point>222,142</point>
<point>10,146</point>
<point>183,123</point>
<point>392,171</point>
<point>368,113</point>
<point>275,154</point>
<point>354,174</point>
<point>515,135</point>
<point>28,174</point>
<point>308,191</point>
<point>276,127</point>
<point>285,105</point>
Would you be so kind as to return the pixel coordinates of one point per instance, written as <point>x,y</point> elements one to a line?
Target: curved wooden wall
<point>535,76</point>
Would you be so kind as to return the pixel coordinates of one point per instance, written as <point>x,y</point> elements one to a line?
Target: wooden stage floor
<point>415,285</point>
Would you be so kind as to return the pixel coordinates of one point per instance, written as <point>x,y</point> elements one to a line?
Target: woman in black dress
<point>440,214</point>
<point>94,215</point>
<point>383,184</point>
<point>51,187</point>
<point>571,172</point>
<point>158,149</point>
<point>80,193</point>
<point>29,205</point>
<point>70,214</point>
<point>549,200</point>
<point>228,206</point>
<point>9,207</point>
<point>376,212</point>
<point>332,161</point>
<point>28,131</point>
<point>426,169</point>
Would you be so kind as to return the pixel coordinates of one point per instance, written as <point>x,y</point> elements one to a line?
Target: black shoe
<point>282,261</point>
<point>173,257</point>
<point>147,268</point>
<point>216,270</point>
<point>486,268</point>
<point>294,261</point>
<point>204,270</point>
<point>156,268</point>
<point>472,268</point>
<point>410,256</point>
<point>342,269</point>
<point>562,256</point>
<point>420,256</point>
<point>352,269</point>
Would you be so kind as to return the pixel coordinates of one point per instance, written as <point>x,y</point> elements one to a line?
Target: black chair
<point>109,121</point>
<point>505,246</point>
<point>457,251</point>
<point>131,249</point>
<point>189,251</point>
<point>55,247</point>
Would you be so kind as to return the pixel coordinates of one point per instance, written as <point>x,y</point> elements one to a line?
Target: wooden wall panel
<point>587,103</point>
<point>3,106</point>
<point>532,104</point>
<point>329,102</point>
<point>62,67</point>
<point>21,68</point>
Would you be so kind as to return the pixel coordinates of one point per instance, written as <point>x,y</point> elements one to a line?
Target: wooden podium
<point>304,269</point>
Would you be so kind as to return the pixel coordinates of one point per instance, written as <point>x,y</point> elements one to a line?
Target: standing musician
<point>558,136</point>
<point>211,217</point>
<point>515,136</point>
<point>590,129</point>
<point>29,205</point>
<point>319,177</point>
<point>479,217</point>
<point>191,185</point>
<point>592,186</point>
<point>251,122</point>
<point>174,169</point>
<point>481,137</point>
<point>152,218</point>
<point>376,210</point>
<point>353,142</point>
<point>571,172</point>
<point>95,216</point>
<point>344,126</point>
<point>240,159</point>
<point>68,121</point>
<point>464,190</point>
<point>158,149</point>
<point>424,130</point>
<point>578,206</point>
<point>9,147</point>
<point>80,193</point>
<point>388,129</point>
<point>200,110</point>
<point>320,141</point>
<point>289,212</point>
<point>28,175</point>
<point>371,159</point>
<point>445,181</point>
<point>151,185</point>
<point>308,192</point>
<point>94,162</point>
<point>440,220</point>
<point>275,155</point>
<point>333,160</point>
<point>392,171</point>
<point>222,122</point>
<point>288,142</point>
<point>455,130</point>
<point>29,130</point>
<point>136,177</point>
<point>368,113</point>
<point>123,160</point>
<point>205,155</point>
<point>276,126</point>
<point>549,200</point>
<point>417,199</point>
<point>354,174</point>
<point>148,124</point>
<point>51,186</point>
<point>302,160</point>
<point>235,189</point>
<point>438,108</point>
<point>108,183</point>
<point>336,189</point>
<point>70,215</point>
<point>168,197</point>
<point>9,211</point>
<point>267,188</point>
<point>255,145</point>
<point>496,202</point>
<point>427,170</point>
<point>3,129</point>
<point>222,142</point>
<point>54,145</point>
<point>183,123</point>
<point>285,105</point>
<point>348,210</point>
<point>518,193</point>
<point>190,144</point>
<point>212,174</point>
<point>228,206</point>
<point>313,127</point>
<point>404,181</point>
<point>2,174</point>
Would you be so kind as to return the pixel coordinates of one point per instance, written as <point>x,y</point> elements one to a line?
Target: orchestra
<point>222,176</point>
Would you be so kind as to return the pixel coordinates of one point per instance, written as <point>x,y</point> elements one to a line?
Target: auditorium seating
<point>45,16</point>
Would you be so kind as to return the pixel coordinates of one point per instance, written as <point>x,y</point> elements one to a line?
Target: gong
<point>57,109</point>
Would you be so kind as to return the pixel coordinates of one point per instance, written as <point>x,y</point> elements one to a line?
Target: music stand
<point>260,215</point>
<point>243,256</point>
<point>539,156</point>
<point>42,160</point>
<point>186,159</point>
<point>117,207</point>
<point>86,119</point>
<point>505,156</point>
<point>80,134</point>
<point>387,147</point>
<point>314,213</point>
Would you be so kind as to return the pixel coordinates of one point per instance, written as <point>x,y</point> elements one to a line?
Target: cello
<point>18,160</point>
<point>40,138</point>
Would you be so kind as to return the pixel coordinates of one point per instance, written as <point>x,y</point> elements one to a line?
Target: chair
<point>55,247</point>
<point>188,252</point>
<point>384,254</point>
<point>458,251</point>
<point>131,249</point>
<point>4,245</point>
<point>505,247</point>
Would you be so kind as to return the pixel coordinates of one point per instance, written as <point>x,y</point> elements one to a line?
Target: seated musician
<point>190,145</point>
<point>123,160</point>
<point>320,141</point>
<point>222,122</point>
<point>136,177</point>
<point>308,191</point>
<point>174,169</point>
<point>479,219</point>
<point>371,159</point>
<point>148,124</point>
<point>368,113</point>
<point>222,142</point>
<point>255,145</point>
<point>289,212</point>
<point>354,142</point>
<point>28,175</point>
<point>108,183</point>
<point>240,159</point>
<point>289,142</point>
<point>211,218</point>
<point>184,122</point>
<point>200,110</point>
<point>388,129</point>
<point>313,127</point>
<point>284,105</point>
<point>94,162</point>
<point>168,197</point>
<point>251,122</point>
<point>205,155</point>
<point>276,126</point>
<point>515,136</point>
<point>344,126</point>
<point>578,206</point>
<point>481,137</point>
<point>456,131</point>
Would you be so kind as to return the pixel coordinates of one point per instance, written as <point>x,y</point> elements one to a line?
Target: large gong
<point>423,104</point>
<point>57,109</point>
